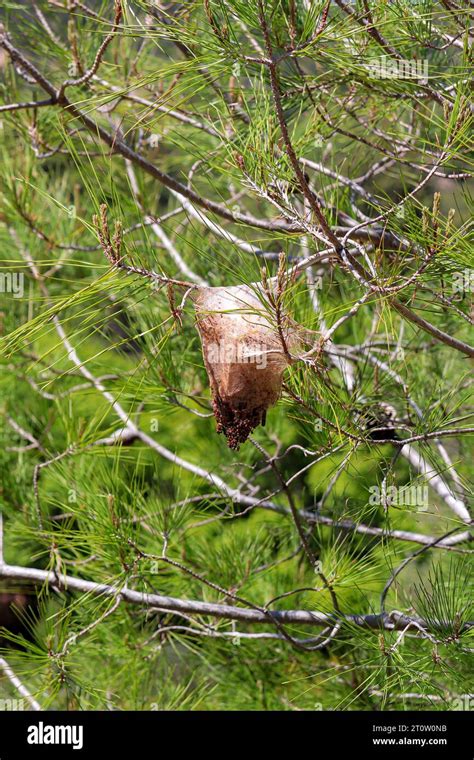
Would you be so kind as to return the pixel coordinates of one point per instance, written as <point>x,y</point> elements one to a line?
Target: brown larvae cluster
<point>245,357</point>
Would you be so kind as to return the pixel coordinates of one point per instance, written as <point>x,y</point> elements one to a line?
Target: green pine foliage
<point>178,125</point>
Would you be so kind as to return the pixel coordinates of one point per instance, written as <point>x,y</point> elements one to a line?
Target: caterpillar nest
<point>245,353</point>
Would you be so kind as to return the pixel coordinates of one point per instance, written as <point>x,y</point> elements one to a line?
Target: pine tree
<point>283,524</point>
